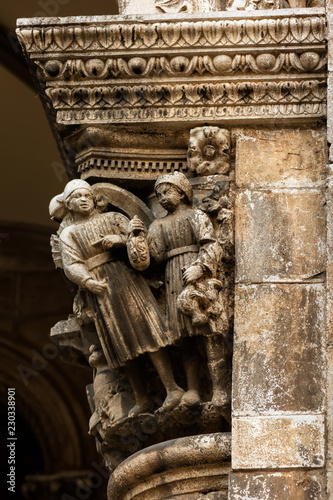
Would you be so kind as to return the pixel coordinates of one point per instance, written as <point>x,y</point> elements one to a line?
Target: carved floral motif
<point>209,150</point>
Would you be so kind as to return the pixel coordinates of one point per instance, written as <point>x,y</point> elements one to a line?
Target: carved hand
<point>112,241</point>
<point>193,273</point>
<point>136,225</point>
<point>97,287</point>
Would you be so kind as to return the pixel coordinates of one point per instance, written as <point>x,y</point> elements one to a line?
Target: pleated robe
<point>192,228</point>
<point>127,318</point>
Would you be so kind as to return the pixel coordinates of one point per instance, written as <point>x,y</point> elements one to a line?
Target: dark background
<point>54,454</point>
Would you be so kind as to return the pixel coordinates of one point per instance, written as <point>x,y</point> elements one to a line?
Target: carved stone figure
<point>125,313</point>
<point>186,242</point>
<point>258,4</point>
<point>174,6</point>
<point>208,151</point>
<point>200,301</point>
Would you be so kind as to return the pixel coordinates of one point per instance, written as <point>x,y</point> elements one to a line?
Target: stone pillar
<point>279,350</point>
<point>329,9</point>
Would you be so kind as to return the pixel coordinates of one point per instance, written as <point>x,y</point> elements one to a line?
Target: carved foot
<point>191,398</point>
<point>220,398</point>
<point>145,406</point>
<point>173,399</point>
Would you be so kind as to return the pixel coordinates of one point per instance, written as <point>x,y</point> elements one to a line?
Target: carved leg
<point>191,363</point>
<point>163,367</point>
<point>217,357</point>
<point>144,404</point>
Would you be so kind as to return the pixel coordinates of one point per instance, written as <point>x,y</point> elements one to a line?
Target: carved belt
<point>181,250</point>
<point>98,260</point>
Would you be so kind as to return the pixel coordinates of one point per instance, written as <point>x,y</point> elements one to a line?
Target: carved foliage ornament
<point>182,66</point>
<point>209,151</point>
<point>228,32</point>
<point>182,95</point>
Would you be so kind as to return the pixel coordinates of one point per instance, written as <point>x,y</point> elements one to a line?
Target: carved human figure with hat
<point>128,321</point>
<point>186,242</point>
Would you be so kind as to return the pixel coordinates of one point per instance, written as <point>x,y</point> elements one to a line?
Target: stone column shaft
<point>279,356</point>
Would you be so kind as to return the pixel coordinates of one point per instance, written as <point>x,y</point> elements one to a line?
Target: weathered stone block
<point>278,442</point>
<point>280,158</point>
<point>300,485</point>
<point>280,235</point>
<point>278,357</point>
<point>329,355</point>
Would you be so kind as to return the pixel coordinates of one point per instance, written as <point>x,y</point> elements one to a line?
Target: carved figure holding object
<point>126,315</point>
<point>185,238</point>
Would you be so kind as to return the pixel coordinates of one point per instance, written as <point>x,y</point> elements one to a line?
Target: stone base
<point>184,468</point>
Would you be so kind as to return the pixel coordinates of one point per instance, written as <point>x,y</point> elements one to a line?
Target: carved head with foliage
<point>209,150</point>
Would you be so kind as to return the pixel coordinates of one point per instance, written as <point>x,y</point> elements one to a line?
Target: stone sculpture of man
<point>186,241</point>
<point>125,313</point>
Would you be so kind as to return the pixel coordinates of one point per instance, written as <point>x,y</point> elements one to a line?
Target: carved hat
<point>74,185</point>
<point>177,179</point>
<point>57,208</point>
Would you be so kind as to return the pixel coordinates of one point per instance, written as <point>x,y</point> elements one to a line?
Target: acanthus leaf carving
<point>150,35</point>
<point>192,32</point>
<point>42,38</point>
<point>212,31</point>
<point>173,94</point>
<point>234,30</point>
<point>170,33</point>
<point>317,28</point>
<point>173,6</point>
<point>111,96</point>
<point>127,34</point>
<point>63,36</point>
<point>220,32</point>
<point>25,37</point>
<point>278,30</point>
<point>299,30</point>
<point>84,37</point>
<point>108,36</point>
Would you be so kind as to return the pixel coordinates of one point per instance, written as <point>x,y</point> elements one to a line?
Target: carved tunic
<point>182,239</point>
<point>127,317</point>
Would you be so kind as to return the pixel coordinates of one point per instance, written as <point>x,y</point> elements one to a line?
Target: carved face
<point>216,199</point>
<point>209,152</point>
<point>81,202</point>
<point>169,196</point>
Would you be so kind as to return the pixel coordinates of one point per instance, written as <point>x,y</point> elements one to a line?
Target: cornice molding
<point>309,26</point>
<point>268,64</point>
